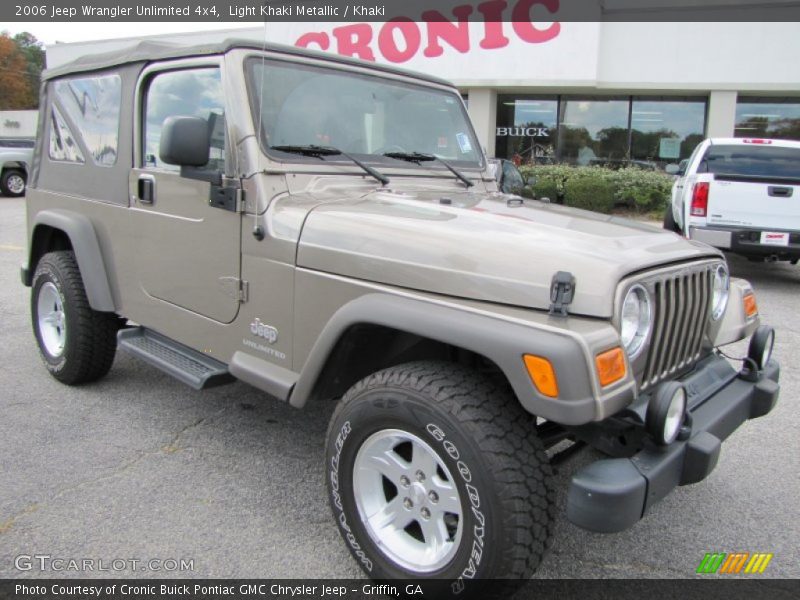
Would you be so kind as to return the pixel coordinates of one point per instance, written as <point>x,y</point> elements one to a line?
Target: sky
<point>50,33</point>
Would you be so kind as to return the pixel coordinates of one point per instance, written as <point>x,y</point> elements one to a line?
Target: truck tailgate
<point>754,202</point>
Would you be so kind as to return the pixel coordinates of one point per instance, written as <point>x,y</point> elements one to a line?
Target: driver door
<point>187,251</point>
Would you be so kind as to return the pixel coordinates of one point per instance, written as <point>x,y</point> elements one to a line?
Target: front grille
<point>681,306</point>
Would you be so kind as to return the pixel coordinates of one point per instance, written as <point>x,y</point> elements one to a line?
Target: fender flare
<point>82,236</point>
<point>502,341</point>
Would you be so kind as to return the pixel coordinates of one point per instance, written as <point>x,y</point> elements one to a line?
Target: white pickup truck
<point>741,195</point>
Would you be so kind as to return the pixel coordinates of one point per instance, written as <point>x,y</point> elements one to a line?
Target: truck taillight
<point>700,199</point>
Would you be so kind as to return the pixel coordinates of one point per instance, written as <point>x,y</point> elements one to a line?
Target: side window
<point>93,105</point>
<point>62,142</point>
<point>186,93</point>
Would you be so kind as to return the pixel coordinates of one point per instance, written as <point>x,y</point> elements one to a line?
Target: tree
<point>34,55</point>
<point>21,64</point>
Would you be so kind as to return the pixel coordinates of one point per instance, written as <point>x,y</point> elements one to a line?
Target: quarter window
<point>93,106</point>
<point>187,93</point>
<point>62,142</point>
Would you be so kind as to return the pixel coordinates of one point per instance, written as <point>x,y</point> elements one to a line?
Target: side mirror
<point>530,180</point>
<point>185,141</point>
<point>672,169</point>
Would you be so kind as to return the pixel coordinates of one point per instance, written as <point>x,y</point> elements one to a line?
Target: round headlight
<point>635,320</point>
<point>721,290</point>
<point>666,413</point>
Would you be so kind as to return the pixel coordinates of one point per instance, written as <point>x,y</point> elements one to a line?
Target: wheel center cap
<point>417,493</point>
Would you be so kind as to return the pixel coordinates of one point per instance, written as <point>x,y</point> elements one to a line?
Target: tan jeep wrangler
<point>326,229</point>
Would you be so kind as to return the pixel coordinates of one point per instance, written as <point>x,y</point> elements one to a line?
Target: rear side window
<point>751,160</point>
<point>92,104</point>
<point>62,142</point>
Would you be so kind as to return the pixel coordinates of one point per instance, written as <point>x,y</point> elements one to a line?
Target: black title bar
<point>227,11</point>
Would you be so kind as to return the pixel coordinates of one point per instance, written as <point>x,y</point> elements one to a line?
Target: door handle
<point>146,189</point>
<point>780,192</point>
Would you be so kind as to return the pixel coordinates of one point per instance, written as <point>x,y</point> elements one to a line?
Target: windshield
<point>359,114</point>
<point>742,160</point>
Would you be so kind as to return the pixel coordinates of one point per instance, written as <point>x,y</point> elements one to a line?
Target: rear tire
<point>669,222</point>
<point>435,471</point>
<point>77,344</point>
<point>13,182</point>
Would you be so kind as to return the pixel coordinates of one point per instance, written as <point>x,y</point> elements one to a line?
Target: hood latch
<point>562,291</point>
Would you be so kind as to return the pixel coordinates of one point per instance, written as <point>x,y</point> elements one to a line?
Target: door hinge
<point>226,198</point>
<point>235,288</point>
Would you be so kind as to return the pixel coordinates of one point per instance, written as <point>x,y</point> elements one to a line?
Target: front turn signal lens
<point>610,366</point>
<point>750,306</point>
<point>542,374</point>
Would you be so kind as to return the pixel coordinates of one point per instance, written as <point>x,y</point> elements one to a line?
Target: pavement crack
<point>170,448</point>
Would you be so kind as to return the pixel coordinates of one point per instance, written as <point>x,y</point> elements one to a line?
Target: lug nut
<point>426,514</point>
<point>404,481</point>
<point>434,497</point>
<point>420,476</point>
<point>408,503</point>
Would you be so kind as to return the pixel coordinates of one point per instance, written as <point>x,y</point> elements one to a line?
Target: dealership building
<point>578,92</point>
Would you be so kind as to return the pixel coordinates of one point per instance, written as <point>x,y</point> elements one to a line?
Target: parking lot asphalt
<point>138,466</point>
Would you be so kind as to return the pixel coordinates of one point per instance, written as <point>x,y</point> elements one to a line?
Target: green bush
<point>601,189</point>
<point>591,193</point>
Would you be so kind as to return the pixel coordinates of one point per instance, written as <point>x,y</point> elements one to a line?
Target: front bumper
<point>747,242</point>
<point>612,494</point>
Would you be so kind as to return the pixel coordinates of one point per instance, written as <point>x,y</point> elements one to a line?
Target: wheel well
<point>46,239</point>
<point>366,348</point>
<point>15,166</point>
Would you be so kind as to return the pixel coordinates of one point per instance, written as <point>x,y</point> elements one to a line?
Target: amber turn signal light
<point>542,374</point>
<point>610,366</point>
<point>750,306</point>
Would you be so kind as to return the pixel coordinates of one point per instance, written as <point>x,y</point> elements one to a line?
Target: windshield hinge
<point>562,291</point>
<point>226,197</point>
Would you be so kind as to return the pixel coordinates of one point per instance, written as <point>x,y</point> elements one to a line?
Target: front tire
<point>436,472</point>
<point>77,344</point>
<point>13,182</point>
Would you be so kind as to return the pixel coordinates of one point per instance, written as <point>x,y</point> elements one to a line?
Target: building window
<point>768,117</point>
<point>527,128</point>
<point>593,131</point>
<point>666,130</point>
<point>596,130</point>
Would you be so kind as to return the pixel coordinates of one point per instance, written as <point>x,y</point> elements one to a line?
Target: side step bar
<point>184,364</point>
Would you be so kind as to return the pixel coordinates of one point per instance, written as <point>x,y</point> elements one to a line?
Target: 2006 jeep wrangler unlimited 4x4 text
<point>327,229</point>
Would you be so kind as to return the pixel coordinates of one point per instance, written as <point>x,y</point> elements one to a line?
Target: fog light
<point>666,413</point>
<point>761,345</point>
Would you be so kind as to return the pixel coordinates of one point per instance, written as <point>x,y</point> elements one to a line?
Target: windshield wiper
<point>320,151</point>
<point>418,157</point>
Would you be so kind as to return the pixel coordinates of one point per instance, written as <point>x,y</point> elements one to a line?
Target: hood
<point>485,246</point>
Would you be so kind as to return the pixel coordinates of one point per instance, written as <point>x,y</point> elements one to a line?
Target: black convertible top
<point>148,51</point>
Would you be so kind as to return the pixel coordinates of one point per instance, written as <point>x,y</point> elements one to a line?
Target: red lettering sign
<point>400,39</point>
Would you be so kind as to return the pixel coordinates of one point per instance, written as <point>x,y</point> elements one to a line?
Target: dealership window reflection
<point>768,117</point>
<point>593,131</point>
<point>527,128</point>
<point>664,131</point>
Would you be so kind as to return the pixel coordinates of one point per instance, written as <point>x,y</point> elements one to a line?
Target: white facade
<point>18,123</point>
<point>715,61</point>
